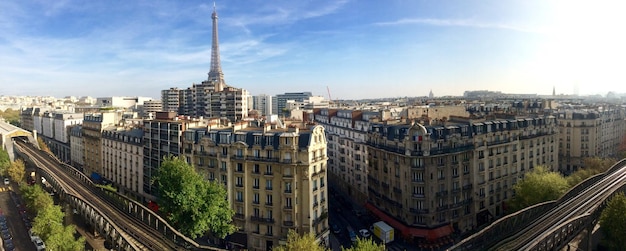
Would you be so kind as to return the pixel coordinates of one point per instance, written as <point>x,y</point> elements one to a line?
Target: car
<point>6,235</point>
<point>351,234</point>
<point>33,236</point>
<point>6,181</point>
<point>336,229</point>
<point>365,233</point>
<point>9,246</point>
<point>39,244</point>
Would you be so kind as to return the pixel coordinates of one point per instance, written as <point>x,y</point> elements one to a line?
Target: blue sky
<point>359,49</point>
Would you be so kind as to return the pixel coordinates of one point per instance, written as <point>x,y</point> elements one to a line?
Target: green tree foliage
<point>539,185</point>
<point>5,161</point>
<point>593,166</point>
<point>192,204</point>
<point>365,244</point>
<point>35,197</point>
<point>296,242</point>
<point>48,221</point>
<point>62,239</point>
<point>11,116</point>
<point>16,171</point>
<point>613,222</point>
<point>43,146</point>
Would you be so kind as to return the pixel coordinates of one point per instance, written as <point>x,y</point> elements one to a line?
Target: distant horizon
<point>326,96</point>
<point>358,50</point>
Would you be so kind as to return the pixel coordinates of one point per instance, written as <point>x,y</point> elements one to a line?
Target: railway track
<point>141,236</point>
<point>585,202</point>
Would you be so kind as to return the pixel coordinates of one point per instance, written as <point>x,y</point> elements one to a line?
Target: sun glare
<point>585,46</point>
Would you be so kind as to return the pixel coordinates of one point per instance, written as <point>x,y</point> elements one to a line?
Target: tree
<point>43,146</point>
<point>192,204</point>
<point>592,166</point>
<point>538,186</point>
<point>5,161</point>
<point>16,171</point>
<point>35,197</point>
<point>363,244</point>
<point>48,221</point>
<point>296,242</point>
<point>613,222</point>
<point>63,239</point>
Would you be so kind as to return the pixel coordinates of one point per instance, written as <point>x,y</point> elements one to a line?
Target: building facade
<point>122,159</point>
<point>428,181</point>
<point>346,133</point>
<point>589,133</point>
<point>280,101</point>
<point>162,137</point>
<point>77,147</point>
<point>275,178</point>
<point>93,125</point>
<point>263,104</point>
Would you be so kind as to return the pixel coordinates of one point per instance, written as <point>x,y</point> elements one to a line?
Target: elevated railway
<point>554,223</point>
<point>129,225</point>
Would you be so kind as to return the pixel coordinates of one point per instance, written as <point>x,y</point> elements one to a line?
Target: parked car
<point>336,229</point>
<point>39,244</point>
<point>6,181</point>
<point>364,233</point>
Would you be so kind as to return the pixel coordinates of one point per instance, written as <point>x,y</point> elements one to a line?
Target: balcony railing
<point>261,219</point>
<point>288,223</point>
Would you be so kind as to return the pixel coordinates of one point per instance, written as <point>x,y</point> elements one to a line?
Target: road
<point>16,225</point>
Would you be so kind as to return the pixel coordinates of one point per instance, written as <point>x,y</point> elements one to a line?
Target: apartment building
<point>346,133</point>
<point>276,178</point>
<point>162,137</point>
<point>428,181</point>
<point>279,102</point>
<point>263,104</point>
<point>77,147</point>
<point>52,128</point>
<point>122,159</point>
<point>589,133</point>
<point>93,125</point>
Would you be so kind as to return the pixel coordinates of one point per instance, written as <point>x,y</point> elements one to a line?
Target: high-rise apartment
<point>280,101</point>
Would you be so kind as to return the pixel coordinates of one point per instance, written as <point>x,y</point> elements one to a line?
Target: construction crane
<point>329,97</point>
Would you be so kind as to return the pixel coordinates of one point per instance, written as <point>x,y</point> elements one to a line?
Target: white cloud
<point>457,23</point>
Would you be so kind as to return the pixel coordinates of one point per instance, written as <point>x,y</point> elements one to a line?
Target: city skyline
<point>358,50</point>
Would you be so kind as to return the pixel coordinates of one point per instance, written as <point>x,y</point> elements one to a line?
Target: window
<point>268,199</point>
<point>239,181</point>
<point>239,196</point>
<point>287,187</point>
<point>288,202</point>
<point>256,198</point>
<point>314,185</point>
<point>268,184</point>
<point>255,168</point>
<point>268,169</point>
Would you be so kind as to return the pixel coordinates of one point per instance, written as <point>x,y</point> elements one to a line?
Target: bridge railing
<point>138,210</point>
<point>103,223</point>
<point>503,228</point>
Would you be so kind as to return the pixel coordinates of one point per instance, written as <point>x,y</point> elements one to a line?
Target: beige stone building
<point>428,181</point>
<point>93,125</point>
<point>589,133</point>
<point>346,133</point>
<point>276,178</point>
<point>122,153</point>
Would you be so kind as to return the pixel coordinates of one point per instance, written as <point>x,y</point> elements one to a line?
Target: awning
<point>439,232</point>
<point>386,218</point>
<point>407,231</point>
